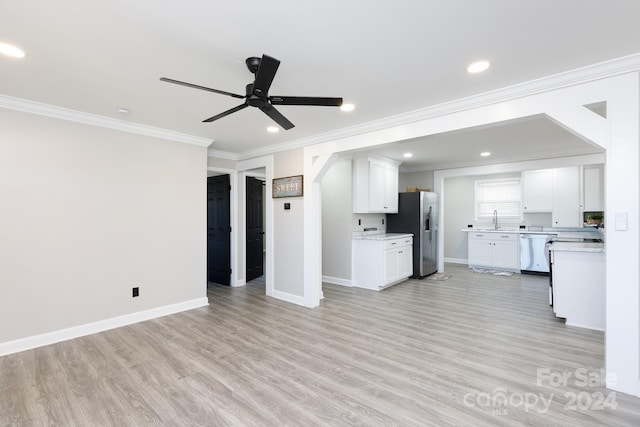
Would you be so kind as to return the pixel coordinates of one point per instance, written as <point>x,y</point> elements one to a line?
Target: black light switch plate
<point>135,292</point>
<point>287,206</point>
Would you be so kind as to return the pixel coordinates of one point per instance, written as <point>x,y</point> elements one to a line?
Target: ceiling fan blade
<point>226,113</point>
<point>265,74</point>
<point>221,92</point>
<point>305,100</point>
<point>276,116</point>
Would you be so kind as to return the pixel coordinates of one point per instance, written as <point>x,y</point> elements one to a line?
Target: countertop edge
<point>382,236</point>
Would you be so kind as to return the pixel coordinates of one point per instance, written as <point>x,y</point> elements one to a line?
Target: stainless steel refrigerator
<point>418,214</point>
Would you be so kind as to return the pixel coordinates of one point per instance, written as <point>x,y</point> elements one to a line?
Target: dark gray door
<point>219,229</point>
<point>255,228</point>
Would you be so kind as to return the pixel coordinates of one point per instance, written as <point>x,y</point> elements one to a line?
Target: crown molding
<point>611,68</point>
<point>97,120</point>
<point>547,156</point>
<point>219,154</point>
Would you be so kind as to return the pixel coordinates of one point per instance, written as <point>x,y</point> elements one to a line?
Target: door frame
<point>244,169</point>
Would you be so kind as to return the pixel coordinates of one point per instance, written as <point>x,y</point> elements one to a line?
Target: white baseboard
<point>337,281</point>
<point>285,296</point>
<point>41,340</point>
<point>456,260</point>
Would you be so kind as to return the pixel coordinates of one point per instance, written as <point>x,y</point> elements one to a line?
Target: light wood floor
<point>465,351</point>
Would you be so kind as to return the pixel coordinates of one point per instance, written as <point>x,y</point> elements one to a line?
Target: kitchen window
<point>501,195</point>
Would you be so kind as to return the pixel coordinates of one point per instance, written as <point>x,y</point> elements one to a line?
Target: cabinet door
<point>479,250</point>
<point>566,197</point>
<point>536,191</point>
<point>505,254</point>
<point>391,189</point>
<point>377,186</point>
<point>392,266</point>
<point>405,262</point>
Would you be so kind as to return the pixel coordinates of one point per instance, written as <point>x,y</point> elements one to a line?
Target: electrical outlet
<point>135,292</point>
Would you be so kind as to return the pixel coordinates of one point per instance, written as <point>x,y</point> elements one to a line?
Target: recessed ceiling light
<point>10,50</point>
<point>272,129</point>
<point>347,107</point>
<point>478,66</point>
<point>485,154</point>
<point>407,155</point>
<point>123,110</point>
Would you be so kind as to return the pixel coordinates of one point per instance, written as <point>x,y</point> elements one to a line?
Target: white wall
<point>87,213</point>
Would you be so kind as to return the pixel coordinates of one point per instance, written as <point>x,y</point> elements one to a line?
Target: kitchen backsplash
<point>361,221</point>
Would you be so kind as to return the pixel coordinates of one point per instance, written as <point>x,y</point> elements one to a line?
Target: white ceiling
<point>387,58</point>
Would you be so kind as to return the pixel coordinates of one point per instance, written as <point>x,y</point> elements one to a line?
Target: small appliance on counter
<point>418,214</point>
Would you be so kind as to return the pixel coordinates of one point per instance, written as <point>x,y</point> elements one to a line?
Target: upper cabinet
<point>566,197</point>
<point>555,191</point>
<point>593,188</point>
<point>375,185</point>
<point>536,191</point>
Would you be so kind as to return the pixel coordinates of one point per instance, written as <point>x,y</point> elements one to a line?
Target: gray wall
<point>336,220</point>
<point>86,214</point>
<point>288,228</point>
<point>423,179</point>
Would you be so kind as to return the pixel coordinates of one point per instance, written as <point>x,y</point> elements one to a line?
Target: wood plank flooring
<point>475,349</point>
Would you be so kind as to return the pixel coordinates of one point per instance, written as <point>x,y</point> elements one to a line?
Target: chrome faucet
<point>495,219</point>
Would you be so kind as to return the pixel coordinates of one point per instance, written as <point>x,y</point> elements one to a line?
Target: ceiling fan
<point>257,93</point>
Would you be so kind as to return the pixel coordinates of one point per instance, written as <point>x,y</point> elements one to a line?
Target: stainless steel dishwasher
<point>534,258</point>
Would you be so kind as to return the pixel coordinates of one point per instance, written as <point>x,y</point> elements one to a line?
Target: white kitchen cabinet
<point>375,185</point>
<point>579,286</point>
<point>494,250</point>
<point>536,191</point>
<point>566,197</point>
<point>593,185</point>
<point>556,191</point>
<point>382,262</point>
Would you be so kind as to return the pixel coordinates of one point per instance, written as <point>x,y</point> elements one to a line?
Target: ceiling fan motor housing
<point>255,99</point>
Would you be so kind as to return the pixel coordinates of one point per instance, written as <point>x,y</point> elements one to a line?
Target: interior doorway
<point>254,228</point>
<point>219,229</point>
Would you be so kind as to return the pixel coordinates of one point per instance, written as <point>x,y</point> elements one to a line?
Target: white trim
<point>337,281</point>
<point>99,121</point>
<point>99,326</point>
<point>219,154</point>
<point>242,167</point>
<point>457,260</point>
<point>287,297</point>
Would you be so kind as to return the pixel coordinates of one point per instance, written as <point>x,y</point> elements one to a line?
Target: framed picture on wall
<point>290,186</point>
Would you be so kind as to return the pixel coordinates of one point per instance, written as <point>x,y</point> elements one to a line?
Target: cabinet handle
<point>479,235</point>
<point>505,237</point>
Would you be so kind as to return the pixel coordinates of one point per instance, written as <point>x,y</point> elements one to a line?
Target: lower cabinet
<point>494,250</point>
<point>380,263</point>
<point>579,290</point>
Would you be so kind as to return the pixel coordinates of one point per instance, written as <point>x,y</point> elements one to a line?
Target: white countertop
<point>560,232</point>
<point>577,247</point>
<point>381,236</point>
<point>513,231</point>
